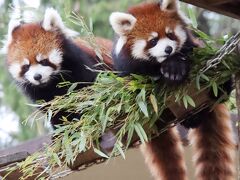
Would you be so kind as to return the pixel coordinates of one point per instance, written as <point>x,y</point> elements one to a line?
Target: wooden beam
<point>217,2</point>
<point>11,158</point>
<point>229,10</point>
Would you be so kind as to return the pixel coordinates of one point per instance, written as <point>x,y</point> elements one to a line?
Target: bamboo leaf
<point>143,108</point>
<point>130,135</point>
<point>105,121</point>
<point>82,145</point>
<point>154,103</point>
<point>143,94</point>
<point>57,160</point>
<point>190,101</point>
<point>198,82</point>
<point>119,107</point>
<point>69,153</point>
<point>100,153</point>
<point>215,89</point>
<point>204,77</point>
<point>102,116</point>
<point>139,133</point>
<point>72,87</point>
<point>226,65</point>
<point>142,132</point>
<point>120,150</point>
<point>185,102</point>
<point>49,115</point>
<point>192,17</point>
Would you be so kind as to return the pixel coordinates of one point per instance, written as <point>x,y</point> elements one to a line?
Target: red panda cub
<point>41,55</point>
<point>152,39</point>
<point>146,38</point>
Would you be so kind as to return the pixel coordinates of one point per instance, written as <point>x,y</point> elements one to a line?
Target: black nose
<point>168,50</point>
<point>37,77</point>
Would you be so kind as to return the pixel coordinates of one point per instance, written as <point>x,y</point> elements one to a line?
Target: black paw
<point>224,91</point>
<point>196,120</point>
<point>175,69</point>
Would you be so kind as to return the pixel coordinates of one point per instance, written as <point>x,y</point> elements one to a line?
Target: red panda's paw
<point>107,141</point>
<point>175,69</point>
<point>224,91</point>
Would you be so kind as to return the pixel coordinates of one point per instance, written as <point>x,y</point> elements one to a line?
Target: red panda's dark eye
<point>153,42</point>
<point>25,68</point>
<point>44,62</point>
<point>171,36</point>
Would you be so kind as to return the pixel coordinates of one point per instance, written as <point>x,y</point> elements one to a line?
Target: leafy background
<point>13,105</point>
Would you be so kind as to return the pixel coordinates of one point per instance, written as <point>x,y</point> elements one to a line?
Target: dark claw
<point>174,69</point>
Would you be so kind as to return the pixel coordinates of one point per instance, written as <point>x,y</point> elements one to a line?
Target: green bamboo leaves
<point>187,100</point>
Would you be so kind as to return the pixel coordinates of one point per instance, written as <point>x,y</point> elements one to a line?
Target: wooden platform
<point>226,7</point>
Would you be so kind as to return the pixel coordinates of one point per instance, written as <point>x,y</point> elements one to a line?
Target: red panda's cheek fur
<point>29,40</point>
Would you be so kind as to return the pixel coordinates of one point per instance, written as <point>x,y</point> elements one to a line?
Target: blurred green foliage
<point>12,96</point>
<point>95,12</point>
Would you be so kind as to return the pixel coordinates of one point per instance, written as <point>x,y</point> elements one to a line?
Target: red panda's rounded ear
<point>122,23</point>
<point>169,5</point>
<point>12,25</point>
<point>52,20</point>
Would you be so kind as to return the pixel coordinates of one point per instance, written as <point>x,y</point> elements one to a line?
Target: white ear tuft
<point>52,20</point>
<point>70,33</point>
<point>122,23</point>
<point>169,5</point>
<point>13,23</point>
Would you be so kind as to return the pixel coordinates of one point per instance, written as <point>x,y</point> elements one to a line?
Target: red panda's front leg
<point>214,146</point>
<point>164,156</point>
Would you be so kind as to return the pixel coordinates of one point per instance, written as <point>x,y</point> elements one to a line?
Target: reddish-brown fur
<point>105,46</point>
<point>214,146</point>
<point>163,156</point>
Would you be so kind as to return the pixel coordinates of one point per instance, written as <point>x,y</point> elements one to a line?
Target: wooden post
<point>237,82</point>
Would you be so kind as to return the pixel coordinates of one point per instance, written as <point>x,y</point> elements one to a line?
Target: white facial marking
<point>122,22</point>
<point>15,69</point>
<point>138,49</point>
<point>168,30</point>
<point>153,35</point>
<point>55,57</point>
<point>39,57</point>
<point>181,34</point>
<point>25,61</point>
<point>120,43</point>
<point>158,51</point>
<point>44,71</point>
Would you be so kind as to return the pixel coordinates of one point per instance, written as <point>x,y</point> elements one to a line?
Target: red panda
<point>41,55</point>
<point>153,39</point>
<point>146,41</point>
